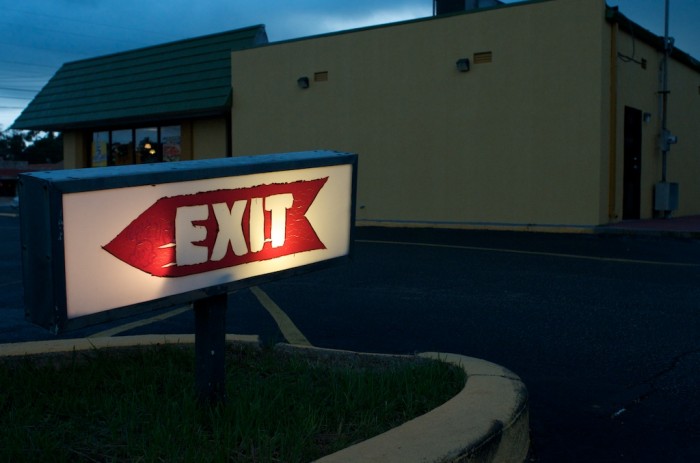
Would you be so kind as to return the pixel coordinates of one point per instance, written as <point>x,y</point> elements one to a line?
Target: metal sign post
<point>106,242</point>
<point>102,243</point>
<point>210,348</point>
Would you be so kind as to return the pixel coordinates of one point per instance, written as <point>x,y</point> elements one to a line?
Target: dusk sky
<point>37,36</point>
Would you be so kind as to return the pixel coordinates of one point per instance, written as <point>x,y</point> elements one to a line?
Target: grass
<point>139,405</point>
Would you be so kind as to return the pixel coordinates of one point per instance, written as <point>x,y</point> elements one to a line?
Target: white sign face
<point>130,245</point>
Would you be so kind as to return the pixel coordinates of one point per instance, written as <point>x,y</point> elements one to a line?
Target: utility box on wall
<point>665,197</point>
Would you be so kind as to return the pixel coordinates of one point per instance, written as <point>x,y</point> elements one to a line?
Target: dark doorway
<point>632,175</point>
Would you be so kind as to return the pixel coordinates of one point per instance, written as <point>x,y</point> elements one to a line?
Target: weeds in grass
<point>140,405</point>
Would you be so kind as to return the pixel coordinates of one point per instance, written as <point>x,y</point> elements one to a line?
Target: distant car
<point>15,202</point>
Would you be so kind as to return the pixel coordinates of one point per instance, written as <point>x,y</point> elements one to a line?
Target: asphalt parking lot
<point>602,329</point>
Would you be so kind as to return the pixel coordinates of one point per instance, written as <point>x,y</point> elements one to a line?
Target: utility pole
<point>665,193</point>
<point>664,141</point>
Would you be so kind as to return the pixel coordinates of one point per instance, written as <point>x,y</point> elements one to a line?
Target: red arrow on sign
<point>189,234</point>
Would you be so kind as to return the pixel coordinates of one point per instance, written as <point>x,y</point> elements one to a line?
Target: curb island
<point>485,422</point>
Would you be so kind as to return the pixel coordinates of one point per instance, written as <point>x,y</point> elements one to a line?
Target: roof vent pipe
<point>454,6</point>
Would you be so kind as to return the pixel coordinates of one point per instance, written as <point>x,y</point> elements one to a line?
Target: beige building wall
<point>638,86</point>
<point>209,138</point>
<point>519,140</point>
<point>684,121</point>
<point>74,150</point>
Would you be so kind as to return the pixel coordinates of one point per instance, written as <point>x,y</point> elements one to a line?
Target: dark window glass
<point>147,146</point>
<point>98,154</point>
<point>139,146</point>
<point>122,151</point>
<point>170,140</point>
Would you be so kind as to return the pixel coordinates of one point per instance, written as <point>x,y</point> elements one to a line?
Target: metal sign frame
<point>42,227</point>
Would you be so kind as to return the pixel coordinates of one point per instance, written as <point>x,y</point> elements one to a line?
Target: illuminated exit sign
<point>106,242</point>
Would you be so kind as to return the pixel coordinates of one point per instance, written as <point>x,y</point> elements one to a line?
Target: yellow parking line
<point>289,330</point>
<point>139,323</point>
<point>534,253</point>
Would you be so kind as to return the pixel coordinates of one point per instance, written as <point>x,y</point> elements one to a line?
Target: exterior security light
<point>303,82</point>
<point>462,64</point>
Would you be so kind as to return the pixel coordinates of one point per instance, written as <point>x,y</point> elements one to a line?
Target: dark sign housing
<point>48,216</point>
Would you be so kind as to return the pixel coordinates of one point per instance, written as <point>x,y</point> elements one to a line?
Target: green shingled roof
<point>188,78</point>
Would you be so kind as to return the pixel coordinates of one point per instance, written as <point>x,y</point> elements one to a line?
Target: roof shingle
<point>187,78</point>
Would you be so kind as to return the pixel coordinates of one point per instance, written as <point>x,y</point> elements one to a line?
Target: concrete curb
<point>82,344</point>
<point>487,421</point>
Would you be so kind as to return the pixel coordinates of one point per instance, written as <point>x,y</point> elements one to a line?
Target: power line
<point>74,34</point>
<point>38,83</point>
<point>92,23</point>
<point>29,64</point>
<point>52,50</point>
<point>13,89</point>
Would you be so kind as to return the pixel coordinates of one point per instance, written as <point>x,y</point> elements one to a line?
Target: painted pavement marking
<point>289,330</point>
<point>534,253</point>
<point>140,323</point>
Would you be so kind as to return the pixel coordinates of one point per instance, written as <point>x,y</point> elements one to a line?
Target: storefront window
<point>170,138</point>
<point>147,146</point>
<point>98,154</point>
<point>122,151</point>
<point>136,146</point>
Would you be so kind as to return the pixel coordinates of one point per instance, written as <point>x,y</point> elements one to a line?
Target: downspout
<point>612,159</point>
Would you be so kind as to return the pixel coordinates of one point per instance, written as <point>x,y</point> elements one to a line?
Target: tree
<point>12,145</point>
<point>31,146</point>
<point>45,150</point>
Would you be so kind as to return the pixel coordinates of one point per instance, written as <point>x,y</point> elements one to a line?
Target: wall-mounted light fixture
<point>303,82</point>
<point>462,64</point>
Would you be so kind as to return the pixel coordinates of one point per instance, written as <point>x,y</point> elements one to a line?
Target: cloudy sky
<point>37,36</point>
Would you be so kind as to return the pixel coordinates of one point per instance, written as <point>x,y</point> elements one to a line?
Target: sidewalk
<point>682,227</point>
